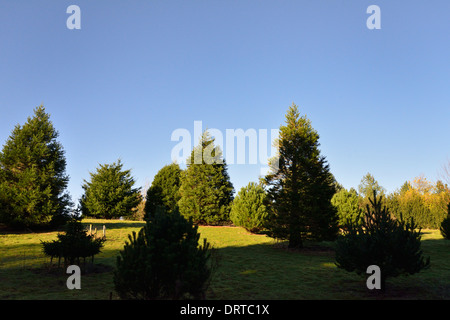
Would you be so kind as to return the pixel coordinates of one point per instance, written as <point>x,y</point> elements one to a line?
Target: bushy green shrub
<point>347,206</point>
<point>164,260</point>
<point>73,245</point>
<point>164,191</point>
<point>111,193</point>
<point>248,209</point>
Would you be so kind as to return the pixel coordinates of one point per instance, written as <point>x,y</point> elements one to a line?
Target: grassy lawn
<point>251,267</point>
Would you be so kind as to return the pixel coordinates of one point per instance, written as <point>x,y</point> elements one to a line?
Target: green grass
<point>250,267</point>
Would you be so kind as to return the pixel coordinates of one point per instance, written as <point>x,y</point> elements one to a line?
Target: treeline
<point>419,199</point>
<point>298,196</point>
<point>299,200</point>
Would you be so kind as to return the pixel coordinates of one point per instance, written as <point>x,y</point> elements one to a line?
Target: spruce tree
<point>33,180</point>
<point>206,190</point>
<point>164,191</point>
<point>110,193</point>
<point>300,186</point>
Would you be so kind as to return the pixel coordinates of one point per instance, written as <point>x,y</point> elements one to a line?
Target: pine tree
<point>110,193</point>
<point>33,181</point>
<point>164,191</point>
<point>74,244</point>
<point>392,245</point>
<point>206,190</point>
<point>164,260</point>
<point>300,186</point>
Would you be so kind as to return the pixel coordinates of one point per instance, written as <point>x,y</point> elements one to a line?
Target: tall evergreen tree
<point>301,186</point>
<point>33,178</point>
<point>206,190</point>
<point>110,193</point>
<point>164,191</point>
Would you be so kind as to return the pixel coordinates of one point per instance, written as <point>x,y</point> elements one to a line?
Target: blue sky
<point>138,70</point>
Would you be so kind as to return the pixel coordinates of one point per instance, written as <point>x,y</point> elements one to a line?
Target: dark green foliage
<point>32,176</point>
<point>249,208</point>
<point>392,245</point>
<point>300,188</point>
<point>164,261</point>
<point>110,193</point>
<point>347,206</point>
<point>445,225</point>
<point>206,190</point>
<point>164,191</point>
<point>73,245</point>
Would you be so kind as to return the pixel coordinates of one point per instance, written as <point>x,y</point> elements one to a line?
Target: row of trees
<point>33,183</point>
<point>292,202</point>
<point>299,199</point>
<point>419,199</point>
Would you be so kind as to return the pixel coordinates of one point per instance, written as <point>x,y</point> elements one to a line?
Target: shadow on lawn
<point>272,271</point>
<point>314,267</point>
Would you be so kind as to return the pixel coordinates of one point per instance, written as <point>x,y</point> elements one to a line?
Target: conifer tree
<point>110,193</point>
<point>347,206</point>
<point>164,191</point>
<point>392,245</point>
<point>249,208</point>
<point>300,186</point>
<point>75,244</point>
<point>33,178</point>
<point>164,260</point>
<point>206,190</point>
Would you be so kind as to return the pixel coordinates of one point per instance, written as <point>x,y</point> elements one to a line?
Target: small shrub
<point>347,207</point>
<point>73,245</point>
<point>164,260</point>
<point>248,209</point>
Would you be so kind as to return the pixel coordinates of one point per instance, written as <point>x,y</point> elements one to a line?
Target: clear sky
<point>138,70</point>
